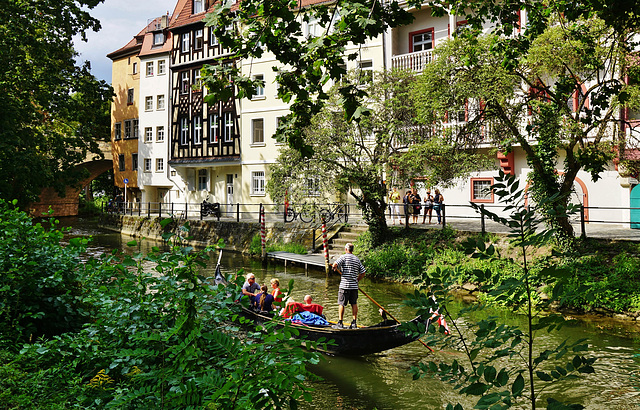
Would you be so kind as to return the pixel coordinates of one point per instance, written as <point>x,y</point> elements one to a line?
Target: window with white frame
<point>257,182</point>
<point>197,130</point>
<point>197,79</point>
<point>228,127</point>
<point>160,102</point>
<point>150,69</point>
<point>128,129</point>
<point>213,40</point>
<point>366,71</point>
<point>184,131</point>
<point>257,131</point>
<point>184,43</point>
<point>198,42</point>
<point>184,82</point>
<point>198,6</point>
<point>313,27</point>
<point>134,161</point>
<point>203,180</point>
<point>148,134</point>
<point>158,38</point>
<point>135,129</point>
<point>148,103</point>
<point>159,164</point>
<point>130,96</point>
<point>147,165</point>
<point>135,68</point>
<point>162,67</point>
<point>117,131</point>
<point>160,133</point>
<point>481,190</point>
<point>312,186</point>
<point>259,92</point>
<point>421,40</point>
<point>214,128</point>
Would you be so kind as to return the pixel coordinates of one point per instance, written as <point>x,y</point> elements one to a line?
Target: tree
<point>386,146</point>
<point>563,76</point>
<point>53,110</point>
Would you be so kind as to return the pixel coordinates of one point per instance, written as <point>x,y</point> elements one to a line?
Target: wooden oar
<point>388,313</point>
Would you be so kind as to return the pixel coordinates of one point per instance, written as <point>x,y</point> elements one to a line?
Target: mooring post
<point>584,233</point>
<point>482,220</point>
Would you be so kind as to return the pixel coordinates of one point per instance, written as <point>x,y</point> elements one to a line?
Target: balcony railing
<point>412,61</point>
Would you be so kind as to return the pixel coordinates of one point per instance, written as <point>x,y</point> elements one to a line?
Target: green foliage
<point>255,248</point>
<point>160,336</point>
<point>40,288</point>
<point>504,366</point>
<point>54,112</point>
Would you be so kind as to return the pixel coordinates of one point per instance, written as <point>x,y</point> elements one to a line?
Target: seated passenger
<point>250,288</point>
<point>295,307</point>
<point>264,301</point>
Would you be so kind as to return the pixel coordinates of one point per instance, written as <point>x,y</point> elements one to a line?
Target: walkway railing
<point>335,213</point>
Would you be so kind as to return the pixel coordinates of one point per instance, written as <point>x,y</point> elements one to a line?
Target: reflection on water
<point>381,381</point>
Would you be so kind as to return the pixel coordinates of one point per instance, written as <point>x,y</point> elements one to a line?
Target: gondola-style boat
<point>347,342</point>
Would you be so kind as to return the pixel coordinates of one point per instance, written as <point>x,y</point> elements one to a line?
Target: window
<point>158,39</point>
<point>148,103</point>
<point>130,96</point>
<point>197,80</point>
<point>213,40</point>
<point>184,81</point>
<point>160,102</point>
<point>481,190</point>
<point>313,28</point>
<point>148,134</point>
<point>185,43</point>
<point>214,130</point>
<point>160,133</point>
<point>159,164</point>
<point>135,128</point>
<point>257,131</point>
<point>128,131</point>
<point>162,67</point>
<point>312,186</point>
<point>421,40</point>
<point>135,68</point>
<point>257,183</point>
<point>366,71</point>
<point>134,161</point>
<point>577,98</point>
<point>259,93</point>
<point>198,6</point>
<point>147,165</point>
<point>184,131</point>
<point>150,69</point>
<point>199,39</point>
<point>197,130</point>
<point>203,180</point>
<point>117,131</point>
<point>228,127</point>
<point>121,165</point>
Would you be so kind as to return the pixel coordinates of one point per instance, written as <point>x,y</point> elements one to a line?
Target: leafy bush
<point>256,246</point>
<point>40,285</point>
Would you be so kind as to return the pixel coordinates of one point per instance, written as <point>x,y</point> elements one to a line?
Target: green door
<point>635,203</point>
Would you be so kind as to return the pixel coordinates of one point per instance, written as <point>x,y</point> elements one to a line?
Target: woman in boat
<point>276,292</point>
<point>264,301</point>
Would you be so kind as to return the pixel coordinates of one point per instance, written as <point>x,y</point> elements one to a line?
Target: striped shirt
<point>351,268</point>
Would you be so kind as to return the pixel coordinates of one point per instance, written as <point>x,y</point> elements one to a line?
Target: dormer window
<point>198,6</point>
<point>158,39</point>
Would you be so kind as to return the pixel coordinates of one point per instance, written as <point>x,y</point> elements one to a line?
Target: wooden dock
<point>314,260</point>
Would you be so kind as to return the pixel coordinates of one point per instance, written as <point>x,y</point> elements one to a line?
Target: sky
<point>120,20</point>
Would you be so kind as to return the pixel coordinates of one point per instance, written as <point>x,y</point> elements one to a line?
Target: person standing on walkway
<point>394,202</point>
<point>428,206</point>
<point>438,200</point>
<point>415,200</point>
<point>352,271</point>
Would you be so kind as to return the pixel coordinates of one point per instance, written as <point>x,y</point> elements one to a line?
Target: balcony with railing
<point>412,61</point>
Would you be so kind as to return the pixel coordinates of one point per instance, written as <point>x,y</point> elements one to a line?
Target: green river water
<point>381,381</point>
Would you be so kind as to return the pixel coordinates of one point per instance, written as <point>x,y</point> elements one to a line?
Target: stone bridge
<point>68,205</point>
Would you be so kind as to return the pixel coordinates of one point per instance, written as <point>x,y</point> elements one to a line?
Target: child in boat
<point>264,300</point>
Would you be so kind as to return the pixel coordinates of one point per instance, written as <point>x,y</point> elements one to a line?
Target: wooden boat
<point>348,342</point>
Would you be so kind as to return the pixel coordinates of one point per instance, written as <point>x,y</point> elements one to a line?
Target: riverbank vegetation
<point>141,331</point>
<point>606,272</point>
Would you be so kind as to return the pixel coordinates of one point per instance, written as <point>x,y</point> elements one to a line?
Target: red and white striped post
<point>263,233</point>
<point>325,246</point>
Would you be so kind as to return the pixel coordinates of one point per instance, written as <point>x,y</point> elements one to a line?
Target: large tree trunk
<point>371,201</point>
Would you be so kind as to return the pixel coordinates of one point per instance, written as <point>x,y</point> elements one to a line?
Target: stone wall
<point>237,235</point>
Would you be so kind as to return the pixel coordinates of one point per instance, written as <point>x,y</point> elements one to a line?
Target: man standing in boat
<point>352,271</point>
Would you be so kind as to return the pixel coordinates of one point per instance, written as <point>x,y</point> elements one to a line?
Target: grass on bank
<point>608,271</point>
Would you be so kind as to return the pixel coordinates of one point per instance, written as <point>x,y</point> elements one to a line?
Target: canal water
<point>382,381</point>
